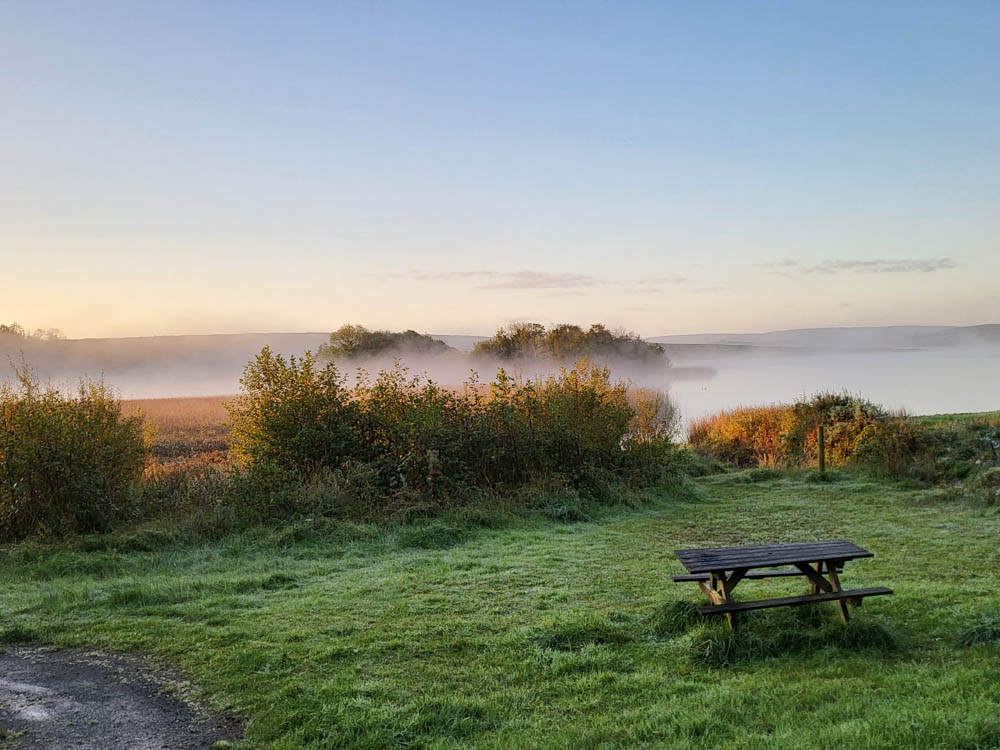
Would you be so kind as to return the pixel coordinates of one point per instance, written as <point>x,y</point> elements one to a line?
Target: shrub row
<point>857,433</point>
<point>786,435</point>
<point>296,419</point>
<point>307,444</point>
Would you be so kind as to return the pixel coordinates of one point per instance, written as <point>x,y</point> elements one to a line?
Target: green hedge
<point>297,417</point>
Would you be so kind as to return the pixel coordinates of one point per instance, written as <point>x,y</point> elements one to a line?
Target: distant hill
<point>876,338</point>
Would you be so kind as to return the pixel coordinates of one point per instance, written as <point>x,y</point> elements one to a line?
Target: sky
<point>192,167</point>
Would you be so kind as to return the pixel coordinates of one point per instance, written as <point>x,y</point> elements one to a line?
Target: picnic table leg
<point>716,592</point>
<point>813,588</point>
<point>727,597</point>
<point>727,584</point>
<point>719,589</point>
<point>835,582</point>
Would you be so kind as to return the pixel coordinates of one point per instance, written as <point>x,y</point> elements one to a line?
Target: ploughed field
<point>541,633</point>
<point>185,429</point>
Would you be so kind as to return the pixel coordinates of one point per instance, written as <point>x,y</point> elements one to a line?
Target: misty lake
<point>919,381</point>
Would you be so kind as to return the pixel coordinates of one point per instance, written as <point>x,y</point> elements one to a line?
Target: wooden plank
<point>791,601</point>
<point>738,575</point>
<point>841,604</point>
<point>751,575</point>
<point>729,558</point>
<point>814,589</point>
<point>727,591</point>
<point>772,547</point>
<point>813,575</point>
<point>711,593</point>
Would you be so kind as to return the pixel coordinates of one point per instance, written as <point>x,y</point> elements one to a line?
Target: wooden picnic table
<point>717,570</point>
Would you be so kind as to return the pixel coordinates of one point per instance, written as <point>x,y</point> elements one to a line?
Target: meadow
<point>541,633</point>
<point>548,624</point>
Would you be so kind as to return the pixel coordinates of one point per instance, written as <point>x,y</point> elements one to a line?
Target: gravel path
<point>82,699</point>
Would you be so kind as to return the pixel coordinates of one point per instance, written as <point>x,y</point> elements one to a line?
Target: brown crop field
<point>185,429</point>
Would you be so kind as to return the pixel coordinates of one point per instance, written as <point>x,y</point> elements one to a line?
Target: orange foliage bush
<point>746,436</point>
<point>787,434</point>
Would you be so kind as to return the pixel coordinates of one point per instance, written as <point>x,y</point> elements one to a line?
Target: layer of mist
<point>168,366</point>
<point>152,366</point>
<point>455,368</point>
<point>918,381</point>
<point>957,372</point>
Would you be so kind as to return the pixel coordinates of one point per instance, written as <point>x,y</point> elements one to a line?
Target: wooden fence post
<point>822,451</point>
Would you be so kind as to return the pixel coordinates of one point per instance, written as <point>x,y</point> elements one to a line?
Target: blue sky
<point>207,167</point>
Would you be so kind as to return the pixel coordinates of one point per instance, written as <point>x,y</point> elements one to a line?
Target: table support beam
<point>814,576</point>
<point>841,604</point>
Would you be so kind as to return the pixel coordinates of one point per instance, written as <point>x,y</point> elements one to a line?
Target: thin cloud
<point>884,266</point>
<point>507,279</point>
<point>666,280</point>
<point>776,264</point>
<point>791,268</point>
<point>539,280</point>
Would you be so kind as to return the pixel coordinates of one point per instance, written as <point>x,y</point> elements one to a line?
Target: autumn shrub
<point>959,452</point>
<point>787,435</point>
<point>68,463</point>
<point>894,449</point>
<point>963,452</point>
<point>746,436</point>
<point>398,438</point>
<point>845,418</point>
<point>295,414</point>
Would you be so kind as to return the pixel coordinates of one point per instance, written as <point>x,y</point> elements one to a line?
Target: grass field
<point>542,634</point>
<point>974,418</point>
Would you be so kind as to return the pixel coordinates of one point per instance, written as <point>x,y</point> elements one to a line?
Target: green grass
<point>954,420</point>
<point>553,634</point>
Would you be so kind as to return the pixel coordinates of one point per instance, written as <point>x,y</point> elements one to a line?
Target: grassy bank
<point>546,634</point>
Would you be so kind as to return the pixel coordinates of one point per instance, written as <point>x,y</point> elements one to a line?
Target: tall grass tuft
<point>987,630</point>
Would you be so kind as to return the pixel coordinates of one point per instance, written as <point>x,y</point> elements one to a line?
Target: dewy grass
<point>985,630</point>
<point>547,633</point>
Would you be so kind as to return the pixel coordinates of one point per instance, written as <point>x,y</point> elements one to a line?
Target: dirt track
<point>83,699</point>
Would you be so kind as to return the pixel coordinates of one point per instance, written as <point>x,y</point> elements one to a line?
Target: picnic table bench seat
<point>751,574</point>
<point>791,601</point>
<point>717,571</point>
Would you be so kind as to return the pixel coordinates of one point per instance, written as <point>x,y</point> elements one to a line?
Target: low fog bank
<point>919,381</point>
<point>169,366</point>
<point>456,367</point>
<point>857,338</point>
<point>704,378</point>
<point>152,366</point>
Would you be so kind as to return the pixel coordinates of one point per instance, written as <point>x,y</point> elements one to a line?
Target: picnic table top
<point>709,559</point>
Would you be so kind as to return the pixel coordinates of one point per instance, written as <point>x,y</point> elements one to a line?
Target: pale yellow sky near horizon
<point>91,300</point>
